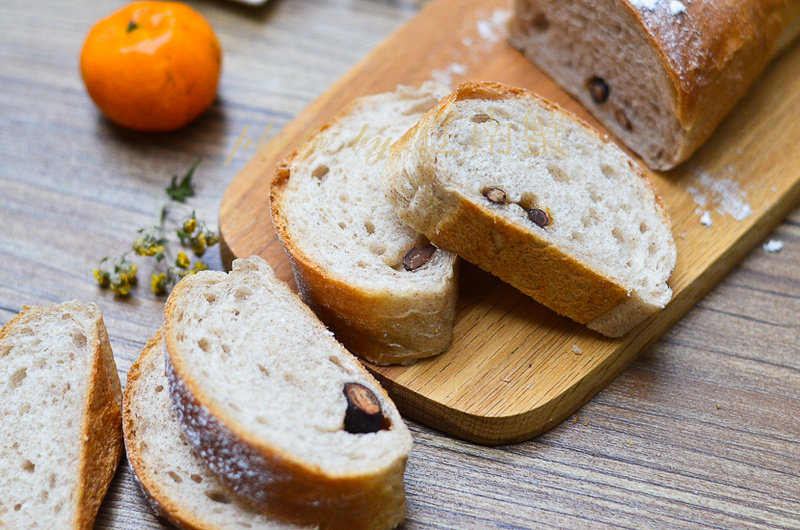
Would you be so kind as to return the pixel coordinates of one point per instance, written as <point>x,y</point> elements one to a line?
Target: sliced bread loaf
<point>386,294</point>
<point>61,429</point>
<point>530,193</point>
<point>176,483</point>
<point>259,387</point>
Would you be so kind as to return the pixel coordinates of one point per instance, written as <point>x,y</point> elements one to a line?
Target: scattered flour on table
<point>444,76</point>
<point>494,27</point>
<point>676,8</point>
<point>576,349</point>
<point>773,245</point>
<point>723,193</point>
<point>705,220</point>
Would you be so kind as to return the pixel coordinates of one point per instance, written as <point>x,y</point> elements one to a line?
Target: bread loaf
<point>178,486</point>
<point>277,409</point>
<point>659,74</point>
<point>531,194</point>
<point>61,429</point>
<point>349,251</point>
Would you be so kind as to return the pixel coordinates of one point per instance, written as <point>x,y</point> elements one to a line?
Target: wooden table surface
<point>702,430</point>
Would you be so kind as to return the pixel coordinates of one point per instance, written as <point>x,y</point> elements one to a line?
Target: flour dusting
<point>705,220</point>
<point>773,245</point>
<point>493,28</point>
<point>444,76</point>
<point>723,193</point>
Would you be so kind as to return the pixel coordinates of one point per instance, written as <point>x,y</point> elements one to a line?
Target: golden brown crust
<point>515,255</point>
<point>275,481</point>
<point>713,55</point>
<point>101,430</point>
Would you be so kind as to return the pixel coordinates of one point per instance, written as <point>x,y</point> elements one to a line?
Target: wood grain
<point>512,372</point>
<point>656,452</point>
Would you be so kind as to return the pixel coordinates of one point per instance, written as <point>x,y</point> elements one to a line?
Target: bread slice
<point>258,385</point>
<point>176,483</point>
<point>346,244</point>
<point>660,75</point>
<point>530,193</point>
<point>61,430</point>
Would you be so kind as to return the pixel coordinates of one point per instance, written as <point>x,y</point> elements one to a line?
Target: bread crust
<point>101,429</point>
<point>276,482</point>
<point>383,328</point>
<point>515,255</point>
<point>101,422</point>
<point>160,503</point>
<point>711,53</point>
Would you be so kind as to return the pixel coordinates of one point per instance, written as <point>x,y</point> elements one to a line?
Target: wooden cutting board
<point>516,369</point>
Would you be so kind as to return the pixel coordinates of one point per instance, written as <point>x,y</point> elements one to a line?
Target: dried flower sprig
<point>119,273</point>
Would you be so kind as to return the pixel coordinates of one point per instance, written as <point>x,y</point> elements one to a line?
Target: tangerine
<point>152,66</point>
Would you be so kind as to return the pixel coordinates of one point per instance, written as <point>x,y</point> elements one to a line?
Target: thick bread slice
<point>257,384</point>
<point>176,483</point>
<point>606,252</point>
<point>672,70</point>
<point>346,244</point>
<point>61,429</point>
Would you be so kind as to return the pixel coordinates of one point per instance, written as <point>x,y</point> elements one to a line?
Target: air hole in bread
<point>210,298</point>
<point>28,466</point>
<point>337,362</point>
<point>204,344</point>
<point>26,331</point>
<point>18,377</point>
<point>369,227</point>
<point>617,235</point>
<point>540,22</point>
<point>66,316</point>
<point>263,369</point>
<point>528,200</point>
<point>577,236</point>
<point>17,507</point>
<point>558,174</point>
<point>174,476</point>
<point>608,172</point>
<point>320,171</point>
<point>43,495</point>
<point>159,388</point>
<point>344,197</point>
<point>79,339</point>
<point>378,249</point>
<point>24,409</point>
<point>594,195</point>
<point>342,225</point>
<point>262,420</point>
<point>481,117</point>
<point>643,227</point>
<point>197,478</point>
<point>653,248</point>
<point>218,496</point>
<point>52,480</point>
<point>242,294</point>
<point>225,349</point>
<point>5,350</point>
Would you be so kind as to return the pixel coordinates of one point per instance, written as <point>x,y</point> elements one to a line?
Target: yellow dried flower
<point>127,272</point>
<point>211,239</point>
<point>199,244</point>
<point>182,260</point>
<point>120,288</point>
<point>190,225</point>
<point>102,277</point>
<point>158,283</point>
<point>200,266</point>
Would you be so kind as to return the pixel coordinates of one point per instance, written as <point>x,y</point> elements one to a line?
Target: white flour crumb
<point>676,8</point>
<point>467,41</point>
<point>773,245</point>
<point>492,29</point>
<point>444,76</point>
<point>682,235</point>
<point>650,5</point>
<point>576,349</point>
<point>705,220</point>
<point>724,193</point>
